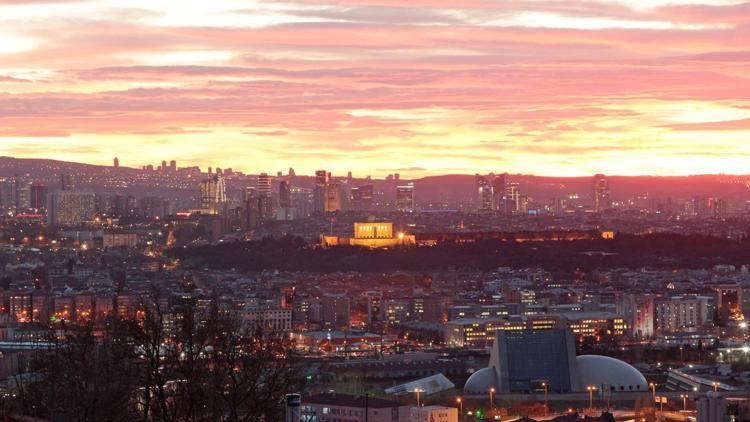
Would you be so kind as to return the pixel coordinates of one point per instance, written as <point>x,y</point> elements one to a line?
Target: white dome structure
<point>481,382</point>
<point>609,373</point>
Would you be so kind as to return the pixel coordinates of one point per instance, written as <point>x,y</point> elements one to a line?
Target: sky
<point>417,87</point>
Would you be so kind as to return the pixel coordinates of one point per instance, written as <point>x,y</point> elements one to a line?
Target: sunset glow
<point>549,87</point>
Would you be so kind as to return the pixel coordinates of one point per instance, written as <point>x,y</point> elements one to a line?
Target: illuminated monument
<point>371,235</point>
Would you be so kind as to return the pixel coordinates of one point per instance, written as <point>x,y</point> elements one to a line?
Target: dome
<point>481,381</point>
<point>609,373</point>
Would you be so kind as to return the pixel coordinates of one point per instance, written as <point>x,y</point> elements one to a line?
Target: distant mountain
<point>456,187</point>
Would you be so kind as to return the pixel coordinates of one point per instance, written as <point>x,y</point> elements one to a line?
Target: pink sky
<point>554,87</point>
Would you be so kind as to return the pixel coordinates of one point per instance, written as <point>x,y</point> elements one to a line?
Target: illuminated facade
<point>594,324</point>
<point>480,332</point>
<point>69,208</point>
<point>213,194</point>
<point>371,235</point>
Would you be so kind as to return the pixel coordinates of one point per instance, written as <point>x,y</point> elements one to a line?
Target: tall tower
<point>484,193</point>
<point>498,193</point>
<point>116,163</point>
<point>322,178</point>
<point>213,194</point>
<point>405,198</point>
<point>602,199</point>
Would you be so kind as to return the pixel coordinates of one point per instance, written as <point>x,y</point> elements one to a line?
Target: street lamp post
<point>418,390</point>
<point>591,389</point>
<point>460,408</point>
<point>653,392</point>
<point>546,403</point>
<point>492,402</point>
<point>716,386</point>
<point>684,401</point>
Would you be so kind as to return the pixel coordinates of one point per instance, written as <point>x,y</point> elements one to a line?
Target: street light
<point>546,391</point>
<point>591,389</point>
<point>492,403</point>
<point>684,401</point>
<point>417,390</point>
<point>653,392</point>
<point>460,408</point>
<point>715,385</point>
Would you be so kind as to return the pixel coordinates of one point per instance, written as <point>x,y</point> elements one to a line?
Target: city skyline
<point>379,87</point>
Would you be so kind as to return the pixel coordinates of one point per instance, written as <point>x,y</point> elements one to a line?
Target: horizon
<point>204,169</point>
<point>381,87</point>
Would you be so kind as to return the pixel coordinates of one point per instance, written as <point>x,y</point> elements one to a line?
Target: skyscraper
<point>264,193</point>
<point>362,198</point>
<point>39,196</point>
<point>213,194</point>
<point>164,165</point>
<point>173,166</point>
<point>116,163</point>
<point>602,200</point>
<point>285,201</point>
<point>322,178</point>
<point>333,198</point>
<point>498,193</point>
<point>405,198</point>
<point>484,193</point>
<point>512,198</point>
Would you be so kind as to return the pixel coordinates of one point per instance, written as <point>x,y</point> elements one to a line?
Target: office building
<point>213,195</point>
<point>681,314</point>
<point>322,178</point>
<point>602,199</point>
<point>498,193</point>
<point>335,310</point>
<point>485,196</point>
<point>362,198</point>
<point>512,198</point>
<point>333,197</point>
<point>638,311</point>
<point>38,200</point>
<point>405,198</point>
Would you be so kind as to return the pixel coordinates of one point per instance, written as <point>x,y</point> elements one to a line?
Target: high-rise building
<point>39,197</point>
<point>264,192</point>
<point>333,198</point>
<point>512,198</point>
<point>173,166</point>
<point>116,163</point>
<point>285,211</point>
<point>638,311</point>
<point>335,310</point>
<point>498,193</point>
<point>405,198</point>
<point>484,193</point>
<point>362,198</point>
<point>213,194</point>
<point>69,208</point>
<point>322,178</point>
<point>164,165</point>
<point>602,199</point>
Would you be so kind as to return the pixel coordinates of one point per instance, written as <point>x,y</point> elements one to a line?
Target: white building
<point>434,414</point>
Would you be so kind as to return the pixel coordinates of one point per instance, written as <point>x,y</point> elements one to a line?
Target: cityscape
<point>453,298</point>
<point>375,211</point>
